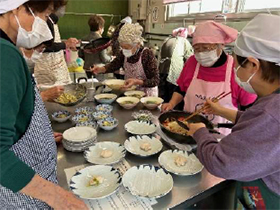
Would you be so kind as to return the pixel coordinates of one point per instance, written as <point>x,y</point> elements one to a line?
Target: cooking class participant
<point>251,153</point>
<point>175,51</point>
<point>27,147</point>
<point>209,72</point>
<point>138,62</point>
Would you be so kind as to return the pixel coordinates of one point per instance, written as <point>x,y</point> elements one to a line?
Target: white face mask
<point>245,85</point>
<point>127,53</point>
<point>40,33</point>
<point>207,59</point>
<point>35,57</point>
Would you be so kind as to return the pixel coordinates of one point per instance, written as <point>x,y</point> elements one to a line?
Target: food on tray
<point>95,181</point>
<point>180,160</point>
<point>173,126</point>
<point>145,147</point>
<point>106,153</point>
<point>127,102</point>
<point>66,98</point>
<point>107,123</point>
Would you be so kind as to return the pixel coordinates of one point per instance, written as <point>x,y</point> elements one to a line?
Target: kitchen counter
<point>187,190</point>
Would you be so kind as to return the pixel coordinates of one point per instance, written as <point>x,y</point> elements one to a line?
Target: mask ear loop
<point>31,12</point>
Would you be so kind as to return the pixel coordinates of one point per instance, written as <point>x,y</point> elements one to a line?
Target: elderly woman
<point>27,146</point>
<point>138,62</point>
<point>251,153</point>
<point>209,73</point>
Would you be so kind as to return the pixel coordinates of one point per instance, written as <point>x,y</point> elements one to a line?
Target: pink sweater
<point>239,96</point>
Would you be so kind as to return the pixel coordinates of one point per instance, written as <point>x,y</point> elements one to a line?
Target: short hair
<point>270,70</point>
<point>41,5</point>
<point>96,22</point>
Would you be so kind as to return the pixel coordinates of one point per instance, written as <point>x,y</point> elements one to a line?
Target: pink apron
<point>136,71</point>
<point>199,90</point>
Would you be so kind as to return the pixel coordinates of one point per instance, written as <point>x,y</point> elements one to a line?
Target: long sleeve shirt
<point>16,108</point>
<point>149,63</point>
<point>251,151</point>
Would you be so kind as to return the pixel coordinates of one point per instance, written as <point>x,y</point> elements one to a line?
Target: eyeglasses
<point>204,49</point>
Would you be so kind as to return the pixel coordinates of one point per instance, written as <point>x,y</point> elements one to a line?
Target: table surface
<point>185,188</point>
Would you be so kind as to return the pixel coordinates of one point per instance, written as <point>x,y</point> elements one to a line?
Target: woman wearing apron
<point>138,62</point>
<point>251,153</point>
<point>27,147</point>
<point>209,72</point>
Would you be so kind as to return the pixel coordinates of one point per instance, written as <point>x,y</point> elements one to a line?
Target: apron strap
<point>196,71</point>
<point>229,69</point>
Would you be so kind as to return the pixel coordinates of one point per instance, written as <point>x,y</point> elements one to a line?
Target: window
<point>211,6</point>
<point>180,8</point>
<point>257,5</point>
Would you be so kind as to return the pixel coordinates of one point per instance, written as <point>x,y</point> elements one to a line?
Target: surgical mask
<point>127,53</point>
<point>207,59</point>
<point>40,33</point>
<point>245,85</point>
<point>60,12</point>
<point>35,57</point>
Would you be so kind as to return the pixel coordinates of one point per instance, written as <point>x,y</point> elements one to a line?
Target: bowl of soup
<point>128,102</point>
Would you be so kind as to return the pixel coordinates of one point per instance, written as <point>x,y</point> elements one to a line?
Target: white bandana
<point>131,34</point>
<point>9,5</point>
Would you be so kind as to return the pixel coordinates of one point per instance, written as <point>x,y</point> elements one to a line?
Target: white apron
<point>199,90</point>
<point>136,71</point>
<point>51,70</point>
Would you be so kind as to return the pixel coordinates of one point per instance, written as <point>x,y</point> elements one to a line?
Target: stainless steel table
<point>190,189</point>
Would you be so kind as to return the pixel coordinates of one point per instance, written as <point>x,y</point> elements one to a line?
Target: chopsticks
<point>216,99</point>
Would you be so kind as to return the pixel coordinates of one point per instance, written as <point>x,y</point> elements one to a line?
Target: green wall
<point>76,25</point>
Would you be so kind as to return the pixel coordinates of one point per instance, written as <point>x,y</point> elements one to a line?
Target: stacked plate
<point>78,139</point>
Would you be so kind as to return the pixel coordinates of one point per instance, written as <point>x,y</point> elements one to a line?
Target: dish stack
<point>78,139</point>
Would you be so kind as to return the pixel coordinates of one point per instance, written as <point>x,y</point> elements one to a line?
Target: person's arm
<point>104,57</point>
<point>188,50</point>
<point>115,65</point>
<point>55,47</point>
<point>149,63</point>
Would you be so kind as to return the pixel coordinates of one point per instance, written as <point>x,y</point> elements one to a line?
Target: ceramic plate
<point>79,134</point>
<point>108,123</point>
<point>142,115</point>
<point>79,183</point>
<point>136,145</point>
<point>191,167</point>
<point>148,181</point>
<point>140,128</point>
<point>94,153</point>
<point>76,147</point>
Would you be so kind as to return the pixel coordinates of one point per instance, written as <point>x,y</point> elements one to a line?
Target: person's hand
<point>166,107</point>
<point>71,44</point>
<point>58,137</point>
<point>194,127</point>
<point>130,82</point>
<point>52,93</point>
<point>212,107</point>
<point>98,70</point>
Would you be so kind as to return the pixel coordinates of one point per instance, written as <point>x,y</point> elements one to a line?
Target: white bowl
<point>135,93</point>
<point>133,145</point>
<point>93,153</point>
<point>66,116</point>
<point>140,128</point>
<point>105,98</point>
<point>116,84</point>
<point>110,119</point>
<point>79,183</point>
<point>121,101</point>
<point>148,181</point>
<point>147,102</point>
<point>192,166</point>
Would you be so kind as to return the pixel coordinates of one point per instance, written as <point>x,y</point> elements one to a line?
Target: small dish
<point>95,182</point>
<point>61,116</point>
<point>135,93</point>
<point>128,102</point>
<point>87,124</point>
<point>105,153</point>
<point>100,115</point>
<point>148,181</point>
<point>105,98</point>
<point>79,134</point>
<point>84,110</point>
<point>151,102</point>
<point>104,107</point>
<point>81,118</point>
<point>192,165</point>
<point>143,115</point>
<point>140,128</point>
<point>143,146</point>
<point>108,123</point>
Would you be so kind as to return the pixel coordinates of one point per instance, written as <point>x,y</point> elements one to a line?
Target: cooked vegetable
<point>61,116</point>
<point>107,123</point>
<point>136,95</point>
<point>95,181</point>
<point>127,102</point>
<point>66,98</point>
<point>151,102</point>
<point>83,119</point>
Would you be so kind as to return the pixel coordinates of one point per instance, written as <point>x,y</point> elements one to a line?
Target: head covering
<point>126,20</point>
<point>131,34</point>
<point>214,33</point>
<point>260,38</point>
<point>182,32</point>
<point>9,5</point>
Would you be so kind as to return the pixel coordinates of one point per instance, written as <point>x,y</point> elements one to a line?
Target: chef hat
<point>214,33</point>
<point>183,32</point>
<point>260,38</point>
<point>126,20</point>
<point>8,5</point>
<point>131,34</point>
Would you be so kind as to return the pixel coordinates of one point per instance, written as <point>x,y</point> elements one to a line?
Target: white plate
<point>77,148</point>
<point>140,128</point>
<point>79,182</point>
<point>79,134</point>
<point>167,161</point>
<point>148,181</point>
<point>93,153</point>
<point>133,145</point>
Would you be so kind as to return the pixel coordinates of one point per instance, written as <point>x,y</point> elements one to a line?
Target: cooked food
<point>95,181</point>
<point>66,98</point>
<point>180,160</point>
<point>61,116</point>
<point>173,126</point>
<point>143,117</point>
<point>83,119</point>
<point>105,98</point>
<point>151,102</point>
<point>127,102</point>
<point>106,153</point>
<point>107,123</point>
<point>136,95</point>
<point>145,147</point>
